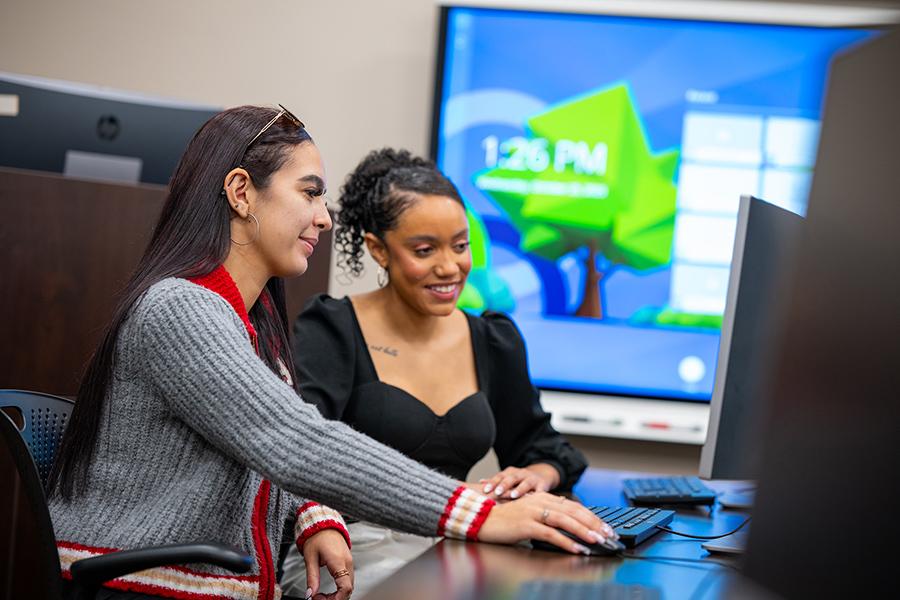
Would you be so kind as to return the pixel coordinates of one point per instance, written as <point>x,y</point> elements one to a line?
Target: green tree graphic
<point>586,177</point>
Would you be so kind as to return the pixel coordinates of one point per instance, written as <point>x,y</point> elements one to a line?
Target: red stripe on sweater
<point>150,589</point>
<point>449,509</point>
<point>185,570</point>
<point>475,527</point>
<point>306,506</point>
<point>261,542</point>
<point>157,590</point>
<point>219,281</point>
<point>322,526</point>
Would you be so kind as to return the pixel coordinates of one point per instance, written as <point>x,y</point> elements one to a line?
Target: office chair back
<point>29,562</point>
<point>45,418</point>
<point>28,557</point>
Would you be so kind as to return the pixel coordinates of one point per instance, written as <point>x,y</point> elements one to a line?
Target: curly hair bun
<point>374,195</point>
<point>363,181</point>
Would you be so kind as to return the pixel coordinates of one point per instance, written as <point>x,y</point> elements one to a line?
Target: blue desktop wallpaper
<point>604,151</point>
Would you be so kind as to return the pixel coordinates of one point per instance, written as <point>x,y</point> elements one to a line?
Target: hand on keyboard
<point>544,517</point>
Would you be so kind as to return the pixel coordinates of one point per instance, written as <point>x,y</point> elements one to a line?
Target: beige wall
<point>358,72</point>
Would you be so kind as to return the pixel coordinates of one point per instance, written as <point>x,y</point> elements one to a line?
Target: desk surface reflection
<point>454,570</point>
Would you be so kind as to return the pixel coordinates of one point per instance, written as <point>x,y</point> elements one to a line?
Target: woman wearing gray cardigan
<point>187,425</point>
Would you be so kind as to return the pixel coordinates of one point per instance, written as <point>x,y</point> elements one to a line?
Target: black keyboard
<point>668,490</point>
<point>543,589</point>
<point>634,525</point>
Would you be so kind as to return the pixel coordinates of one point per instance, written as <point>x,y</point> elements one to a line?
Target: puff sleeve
<point>524,433</point>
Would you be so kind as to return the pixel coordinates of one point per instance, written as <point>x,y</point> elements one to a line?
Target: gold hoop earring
<point>382,277</point>
<point>250,215</point>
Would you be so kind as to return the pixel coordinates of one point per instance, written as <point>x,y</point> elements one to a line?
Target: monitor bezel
<point>708,453</point>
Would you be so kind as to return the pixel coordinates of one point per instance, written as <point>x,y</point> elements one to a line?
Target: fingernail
<point>514,495</point>
<point>499,490</point>
<point>599,538</point>
<point>609,530</point>
<point>487,488</point>
<point>308,593</point>
<point>582,549</point>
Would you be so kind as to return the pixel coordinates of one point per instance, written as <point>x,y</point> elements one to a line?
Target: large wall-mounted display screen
<point>603,159</point>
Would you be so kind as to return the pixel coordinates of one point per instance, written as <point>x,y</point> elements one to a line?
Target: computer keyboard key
<point>668,490</point>
<point>636,524</point>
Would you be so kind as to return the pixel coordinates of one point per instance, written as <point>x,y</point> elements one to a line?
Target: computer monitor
<point>764,242</point>
<point>602,157</point>
<point>91,132</point>
<point>824,519</point>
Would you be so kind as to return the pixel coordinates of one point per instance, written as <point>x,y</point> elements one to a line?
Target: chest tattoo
<point>384,349</point>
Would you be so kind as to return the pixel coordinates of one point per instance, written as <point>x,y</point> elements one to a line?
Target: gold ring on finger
<point>341,573</point>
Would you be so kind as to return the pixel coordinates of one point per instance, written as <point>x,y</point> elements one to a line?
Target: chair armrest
<point>97,569</point>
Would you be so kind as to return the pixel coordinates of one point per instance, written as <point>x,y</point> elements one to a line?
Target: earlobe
<point>240,208</point>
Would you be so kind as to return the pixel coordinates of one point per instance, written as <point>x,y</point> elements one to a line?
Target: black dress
<point>336,373</point>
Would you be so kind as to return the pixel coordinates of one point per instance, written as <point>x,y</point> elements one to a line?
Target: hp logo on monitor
<point>108,127</point>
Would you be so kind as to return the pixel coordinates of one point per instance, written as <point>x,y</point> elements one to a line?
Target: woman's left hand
<point>328,548</point>
<point>514,482</point>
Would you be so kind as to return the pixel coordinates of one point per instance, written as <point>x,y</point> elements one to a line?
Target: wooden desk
<point>454,570</point>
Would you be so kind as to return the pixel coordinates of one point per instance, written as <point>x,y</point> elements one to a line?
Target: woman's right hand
<point>537,516</point>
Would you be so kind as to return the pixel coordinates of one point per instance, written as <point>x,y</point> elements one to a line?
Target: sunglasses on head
<point>282,112</point>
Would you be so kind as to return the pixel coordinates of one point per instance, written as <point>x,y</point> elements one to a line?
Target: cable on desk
<point>704,537</point>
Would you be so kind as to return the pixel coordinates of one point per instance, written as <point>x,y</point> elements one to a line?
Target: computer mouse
<point>608,548</point>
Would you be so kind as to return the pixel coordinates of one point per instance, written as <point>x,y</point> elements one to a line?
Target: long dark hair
<point>384,184</point>
<point>191,239</point>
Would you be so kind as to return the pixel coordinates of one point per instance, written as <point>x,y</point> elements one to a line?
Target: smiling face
<point>427,254</point>
<point>291,213</point>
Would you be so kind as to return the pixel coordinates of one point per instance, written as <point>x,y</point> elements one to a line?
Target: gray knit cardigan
<point>194,429</point>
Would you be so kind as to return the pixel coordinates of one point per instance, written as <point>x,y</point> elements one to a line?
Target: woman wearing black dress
<point>405,366</point>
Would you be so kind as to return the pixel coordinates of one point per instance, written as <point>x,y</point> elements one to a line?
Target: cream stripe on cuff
<point>464,514</point>
<point>313,518</point>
